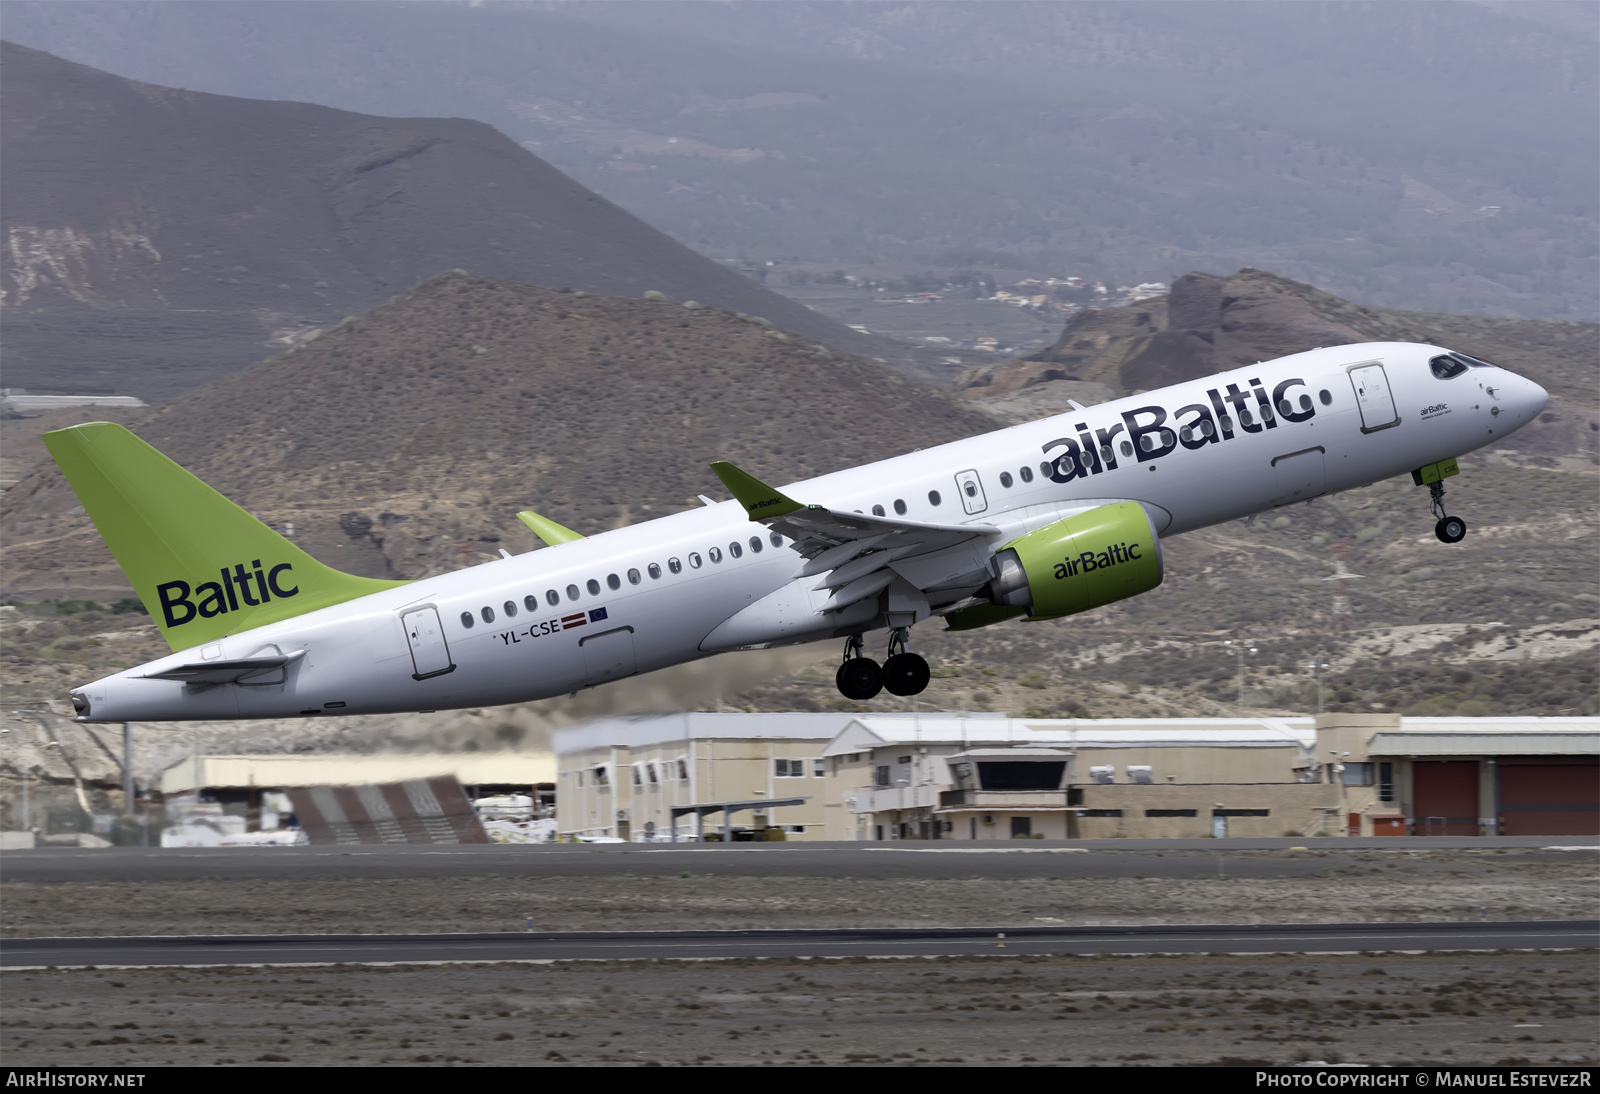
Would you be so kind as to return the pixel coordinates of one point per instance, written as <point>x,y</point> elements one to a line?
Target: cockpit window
<point>1446,366</point>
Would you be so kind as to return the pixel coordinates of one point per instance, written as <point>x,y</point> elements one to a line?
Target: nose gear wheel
<point>1449,529</point>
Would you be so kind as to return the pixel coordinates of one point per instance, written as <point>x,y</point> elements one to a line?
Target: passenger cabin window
<point>633,577</point>
<point>777,540</point>
<point>466,620</point>
<point>1245,419</point>
<point>694,560</point>
<point>487,613</point>
<point>552,598</point>
<point>1446,366</point>
<point>1005,479</point>
<point>734,549</point>
<point>1026,473</point>
<point>531,602</point>
<point>900,506</point>
<point>755,545</point>
<point>593,586</point>
<point>715,553</point>
<point>933,497</point>
<point>1326,396</point>
<point>613,582</point>
<point>879,511</point>
<point>510,607</point>
<point>655,571</point>
<point>674,565</point>
<point>572,592</point>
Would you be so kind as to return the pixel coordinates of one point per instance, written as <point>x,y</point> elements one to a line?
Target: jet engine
<point>1092,558</point>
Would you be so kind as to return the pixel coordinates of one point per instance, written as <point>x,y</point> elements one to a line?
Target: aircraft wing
<point>856,554</point>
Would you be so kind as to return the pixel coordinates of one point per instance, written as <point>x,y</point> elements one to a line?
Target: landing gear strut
<point>903,673</point>
<point>1449,529</point>
<point>858,677</point>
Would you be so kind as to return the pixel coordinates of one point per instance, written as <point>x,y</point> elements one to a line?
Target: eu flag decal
<point>596,614</point>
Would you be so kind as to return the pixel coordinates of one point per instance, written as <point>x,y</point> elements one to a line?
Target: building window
<point>1386,782</point>
<point>602,777</point>
<point>1239,813</point>
<point>789,769</point>
<point>1359,774</point>
<point>819,767</point>
<point>1171,813</point>
<point>638,775</point>
<point>881,776</point>
<point>683,769</point>
<point>579,776</point>
<point>1102,813</point>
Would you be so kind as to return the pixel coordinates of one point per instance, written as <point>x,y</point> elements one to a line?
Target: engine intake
<point>1108,553</point>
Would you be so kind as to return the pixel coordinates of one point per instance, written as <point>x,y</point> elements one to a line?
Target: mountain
<point>1427,156</point>
<point>158,238</point>
<point>404,441</point>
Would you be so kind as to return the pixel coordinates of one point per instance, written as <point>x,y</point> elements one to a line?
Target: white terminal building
<point>987,776</point>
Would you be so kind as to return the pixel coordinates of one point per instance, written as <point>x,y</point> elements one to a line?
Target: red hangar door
<point>1547,796</point>
<point>1444,797</point>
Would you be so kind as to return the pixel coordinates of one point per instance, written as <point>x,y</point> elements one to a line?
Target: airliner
<point>1038,521</point>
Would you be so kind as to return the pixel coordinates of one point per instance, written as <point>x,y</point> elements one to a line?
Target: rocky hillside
<point>405,441</point>
<point>158,239</point>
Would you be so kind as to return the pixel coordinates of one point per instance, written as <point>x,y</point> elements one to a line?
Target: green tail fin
<point>202,565</point>
<point>547,529</point>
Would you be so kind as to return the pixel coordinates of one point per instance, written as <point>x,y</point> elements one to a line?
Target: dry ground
<point>974,1011</point>
<point>1370,886</point>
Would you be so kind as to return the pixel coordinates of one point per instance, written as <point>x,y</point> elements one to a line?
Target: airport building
<point>723,776</point>
<point>479,772</point>
<point>904,777</point>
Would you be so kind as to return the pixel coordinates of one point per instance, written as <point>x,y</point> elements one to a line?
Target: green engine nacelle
<point>1106,554</point>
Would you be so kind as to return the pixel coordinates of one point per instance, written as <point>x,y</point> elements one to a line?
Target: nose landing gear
<point>902,673</point>
<point>1449,529</point>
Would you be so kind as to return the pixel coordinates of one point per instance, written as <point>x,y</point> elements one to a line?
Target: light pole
<point>1317,669</point>
<point>1238,651</point>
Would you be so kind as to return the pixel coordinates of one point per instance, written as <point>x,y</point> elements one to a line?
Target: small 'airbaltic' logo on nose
<point>254,586</point>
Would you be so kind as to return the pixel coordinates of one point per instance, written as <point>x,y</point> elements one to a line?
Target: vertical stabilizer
<point>202,565</point>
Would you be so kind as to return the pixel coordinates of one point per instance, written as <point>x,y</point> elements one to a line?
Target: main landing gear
<point>1449,529</point>
<point>902,673</point>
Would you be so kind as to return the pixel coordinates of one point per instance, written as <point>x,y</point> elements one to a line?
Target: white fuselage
<point>358,658</point>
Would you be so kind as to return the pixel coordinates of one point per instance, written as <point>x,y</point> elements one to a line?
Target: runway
<point>1000,860</point>
<point>184,950</point>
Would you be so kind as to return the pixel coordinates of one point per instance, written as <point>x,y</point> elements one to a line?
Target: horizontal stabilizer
<point>227,672</point>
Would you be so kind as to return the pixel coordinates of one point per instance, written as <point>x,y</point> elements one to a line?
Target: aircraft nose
<point>1528,398</point>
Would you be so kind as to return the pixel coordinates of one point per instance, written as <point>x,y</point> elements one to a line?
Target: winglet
<point>547,529</point>
<point>759,500</point>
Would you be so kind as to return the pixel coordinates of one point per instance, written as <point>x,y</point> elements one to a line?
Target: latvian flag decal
<point>570,621</point>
